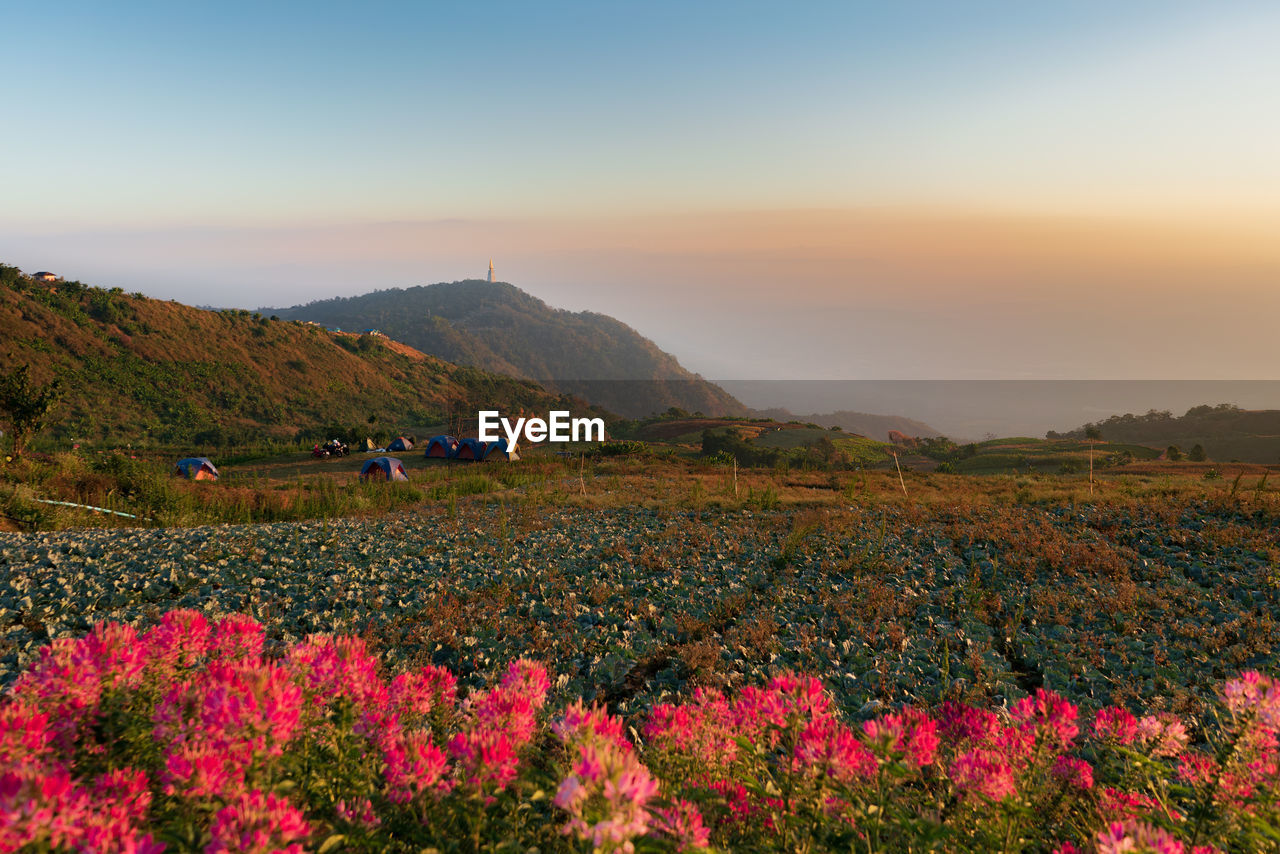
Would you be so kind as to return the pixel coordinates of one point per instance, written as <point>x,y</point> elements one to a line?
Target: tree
<point>24,404</point>
<point>1173,453</point>
<point>1197,454</point>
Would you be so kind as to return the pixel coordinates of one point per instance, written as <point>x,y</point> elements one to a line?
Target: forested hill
<point>138,370</point>
<point>498,327</point>
<point>1225,432</point>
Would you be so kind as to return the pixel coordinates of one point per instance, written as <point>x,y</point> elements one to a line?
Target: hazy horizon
<point>829,190</point>
<point>971,410</point>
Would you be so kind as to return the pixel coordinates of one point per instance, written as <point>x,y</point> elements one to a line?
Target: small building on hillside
<point>46,276</point>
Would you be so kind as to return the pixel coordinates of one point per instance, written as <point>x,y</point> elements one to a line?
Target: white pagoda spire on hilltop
<point>491,269</point>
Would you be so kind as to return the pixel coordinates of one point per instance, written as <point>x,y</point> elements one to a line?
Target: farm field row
<point>888,603</point>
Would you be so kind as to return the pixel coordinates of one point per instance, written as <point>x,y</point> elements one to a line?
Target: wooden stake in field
<point>582,462</point>
<point>1093,434</point>
<point>735,477</point>
<point>899,468</point>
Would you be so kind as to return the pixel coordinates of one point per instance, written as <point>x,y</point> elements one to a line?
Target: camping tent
<point>442,447</point>
<point>403,443</point>
<point>499,451</point>
<point>195,468</point>
<point>470,449</point>
<point>383,468</point>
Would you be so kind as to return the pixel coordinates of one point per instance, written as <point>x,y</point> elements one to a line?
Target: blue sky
<point>244,154</point>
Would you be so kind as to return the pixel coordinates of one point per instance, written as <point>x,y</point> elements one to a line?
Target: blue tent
<point>442,447</point>
<point>383,468</point>
<point>195,468</point>
<point>402,443</point>
<point>470,449</point>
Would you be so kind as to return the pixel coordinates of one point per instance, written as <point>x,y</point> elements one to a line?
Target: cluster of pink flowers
<point>116,739</point>
<point>608,790</point>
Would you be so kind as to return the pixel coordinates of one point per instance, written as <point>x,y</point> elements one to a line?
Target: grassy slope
<point>500,327</point>
<point>143,370</point>
<point>1022,453</point>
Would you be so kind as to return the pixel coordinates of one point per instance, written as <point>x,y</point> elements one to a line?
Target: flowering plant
<point>188,737</point>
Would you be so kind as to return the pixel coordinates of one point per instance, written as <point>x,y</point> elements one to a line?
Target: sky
<point>828,190</point>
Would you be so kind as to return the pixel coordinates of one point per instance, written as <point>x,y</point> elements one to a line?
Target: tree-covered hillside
<point>498,327</point>
<point>140,370</point>
<point>1225,432</point>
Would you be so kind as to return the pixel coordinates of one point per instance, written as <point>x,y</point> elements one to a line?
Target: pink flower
<point>181,640</point>
<point>529,679</point>
<point>984,773</point>
<point>25,737</point>
<point>1074,772</point>
<point>1255,694</point>
<point>581,723</point>
<point>682,824</point>
<point>1114,723</point>
<point>237,638</point>
<point>66,684</point>
<point>1052,717</point>
<point>487,758</point>
<point>1136,836</point>
<point>359,813</point>
<point>1115,805</point>
<point>911,736</point>
<point>223,721</point>
<point>416,693</point>
<point>1197,768</point>
<point>115,654</point>
<point>415,767</point>
<point>1163,735</point>
<point>606,796</point>
<point>258,823</point>
<point>831,749</point>
<point>965,723</point>
<point>703,729</point>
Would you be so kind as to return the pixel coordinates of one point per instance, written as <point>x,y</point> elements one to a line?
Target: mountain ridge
<point>498,326</point>
<point>861,423</point>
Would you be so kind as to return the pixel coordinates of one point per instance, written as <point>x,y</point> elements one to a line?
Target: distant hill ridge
<point>498,327</point>
<point>142,370</point>
<point>1226,432</point>
<point>862,423</point>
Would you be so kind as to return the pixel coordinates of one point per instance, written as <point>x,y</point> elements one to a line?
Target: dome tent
<point>383,468</point>
<point>442,447</point>
<point>401,443</point>
<point>195,468</point>
<point>470,449</point>
<point>499,451</point>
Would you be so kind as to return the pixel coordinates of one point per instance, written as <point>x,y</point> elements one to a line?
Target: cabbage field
<point>1149,604</point>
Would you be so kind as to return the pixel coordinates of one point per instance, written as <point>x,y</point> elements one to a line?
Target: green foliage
<point>25,404</point>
